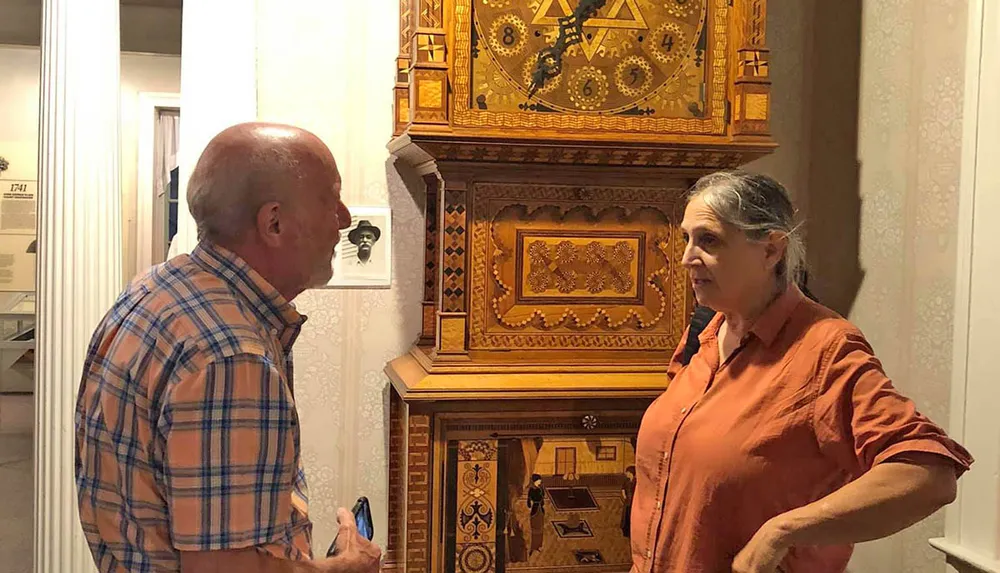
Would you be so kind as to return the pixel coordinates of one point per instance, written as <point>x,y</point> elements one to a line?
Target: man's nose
<point>343,216</point>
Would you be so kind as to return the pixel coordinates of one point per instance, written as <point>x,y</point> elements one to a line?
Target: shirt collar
<point>272,308</point>
<point>769,324</point>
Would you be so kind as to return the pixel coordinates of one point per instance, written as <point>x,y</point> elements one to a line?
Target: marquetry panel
<point>431,13</point>
<point>418,494</point>
<point>432,253</point>
<point>562,267</point>
<point>476,507</point>
<point>428,96</point>
<point>751,96</point>
<point>452,331</point>
<point>397,478</point>
<point>491,78</point>
<point>405,26</point>
<point>454,237</point>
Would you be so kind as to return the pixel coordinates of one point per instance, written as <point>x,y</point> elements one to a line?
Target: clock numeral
<point>588,88</point>
<point>508,36</point>
<point>668,42</point>
<point>634,75</point>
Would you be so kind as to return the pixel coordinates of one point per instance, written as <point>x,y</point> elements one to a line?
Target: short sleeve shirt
<point>187,437</point>
<point>800,409</point>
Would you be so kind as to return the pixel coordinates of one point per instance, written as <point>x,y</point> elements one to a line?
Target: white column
<point>79,249</point>
<point>972,540</point>
<point>218,86</point>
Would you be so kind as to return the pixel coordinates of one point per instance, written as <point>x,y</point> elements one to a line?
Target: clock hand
<point>549,64</point>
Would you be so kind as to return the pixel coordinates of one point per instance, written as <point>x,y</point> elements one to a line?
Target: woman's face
<point>728,270</point>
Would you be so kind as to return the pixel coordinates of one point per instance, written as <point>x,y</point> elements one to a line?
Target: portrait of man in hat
<point>364,237</point>
<point>364,256</point>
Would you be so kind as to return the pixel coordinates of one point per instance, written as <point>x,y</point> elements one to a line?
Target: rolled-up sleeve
<point>230,437</point>
<point>861,420</point>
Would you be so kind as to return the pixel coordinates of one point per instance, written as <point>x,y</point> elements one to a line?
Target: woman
<point>782,442</point>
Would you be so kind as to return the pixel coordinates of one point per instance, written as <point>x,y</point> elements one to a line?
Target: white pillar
<point>79,249</point>
<point>972,540</point>
<point>218,86</point>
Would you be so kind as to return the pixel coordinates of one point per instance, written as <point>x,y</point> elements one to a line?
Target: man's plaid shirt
<point>187,438</point>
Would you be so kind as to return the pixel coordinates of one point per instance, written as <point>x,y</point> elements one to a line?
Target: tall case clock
<point>556,139</point>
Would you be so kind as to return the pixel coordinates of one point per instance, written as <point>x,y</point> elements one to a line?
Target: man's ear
<point>270,224</point>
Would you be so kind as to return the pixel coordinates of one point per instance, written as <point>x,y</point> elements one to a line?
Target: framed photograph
<point>364,255</point>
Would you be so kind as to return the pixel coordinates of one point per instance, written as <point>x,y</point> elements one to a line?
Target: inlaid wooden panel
<point>476,482</point>
<point>418,494</point>
<point>564,267</point>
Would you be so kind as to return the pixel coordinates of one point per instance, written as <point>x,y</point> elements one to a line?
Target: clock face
<point>633,57</point>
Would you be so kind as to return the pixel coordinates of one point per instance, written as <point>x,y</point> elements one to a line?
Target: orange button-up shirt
<point>800,409</point>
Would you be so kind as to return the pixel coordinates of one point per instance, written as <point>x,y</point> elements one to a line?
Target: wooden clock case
<point>553,292</point>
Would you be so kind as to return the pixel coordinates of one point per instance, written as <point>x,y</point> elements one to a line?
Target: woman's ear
<point>774,248</point>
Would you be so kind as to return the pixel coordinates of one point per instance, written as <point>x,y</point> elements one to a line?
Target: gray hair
<point>757,205</point>
<point>232,181</point>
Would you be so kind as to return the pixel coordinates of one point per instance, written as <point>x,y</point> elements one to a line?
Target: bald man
<point>187,438</point>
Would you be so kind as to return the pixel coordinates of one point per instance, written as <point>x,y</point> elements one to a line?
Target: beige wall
<point>867,110</point>
<point>19,68</point>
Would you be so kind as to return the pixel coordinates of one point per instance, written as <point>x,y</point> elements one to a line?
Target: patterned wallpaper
<point>867,111</point>
<point>910,136</point>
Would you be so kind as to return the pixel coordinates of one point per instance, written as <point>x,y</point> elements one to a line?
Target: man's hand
<point>763,554</point>
<point>355,554</point>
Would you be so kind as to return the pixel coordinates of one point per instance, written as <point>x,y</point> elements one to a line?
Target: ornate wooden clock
<point>556,139</point>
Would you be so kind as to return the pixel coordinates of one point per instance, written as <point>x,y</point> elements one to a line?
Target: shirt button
<point>684,410</point>
<point>648,554</point>
<point>274,332</point>
<point>666,455</point>
<point>659,504</point>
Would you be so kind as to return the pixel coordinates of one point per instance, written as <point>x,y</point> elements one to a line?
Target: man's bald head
<point>247,166</point>
<point>271,194</point>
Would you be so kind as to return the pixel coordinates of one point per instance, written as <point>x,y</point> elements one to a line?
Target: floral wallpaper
<point>867,111</point>
<point>910,135</point>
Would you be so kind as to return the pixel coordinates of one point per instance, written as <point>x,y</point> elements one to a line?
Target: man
<point>365,235</point>
<point>187,438</point>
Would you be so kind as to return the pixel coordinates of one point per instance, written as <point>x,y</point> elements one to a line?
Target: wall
<point>140,73</point>
<point>867,111</point>
<point>336,79</point>
<point>909,148</point>
<point>19,68</point>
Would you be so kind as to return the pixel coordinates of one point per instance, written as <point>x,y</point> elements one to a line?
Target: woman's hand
<point>763,554</point>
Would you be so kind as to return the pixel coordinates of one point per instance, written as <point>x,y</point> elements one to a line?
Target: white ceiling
<point>152,26</point>
<point>154,3</point>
